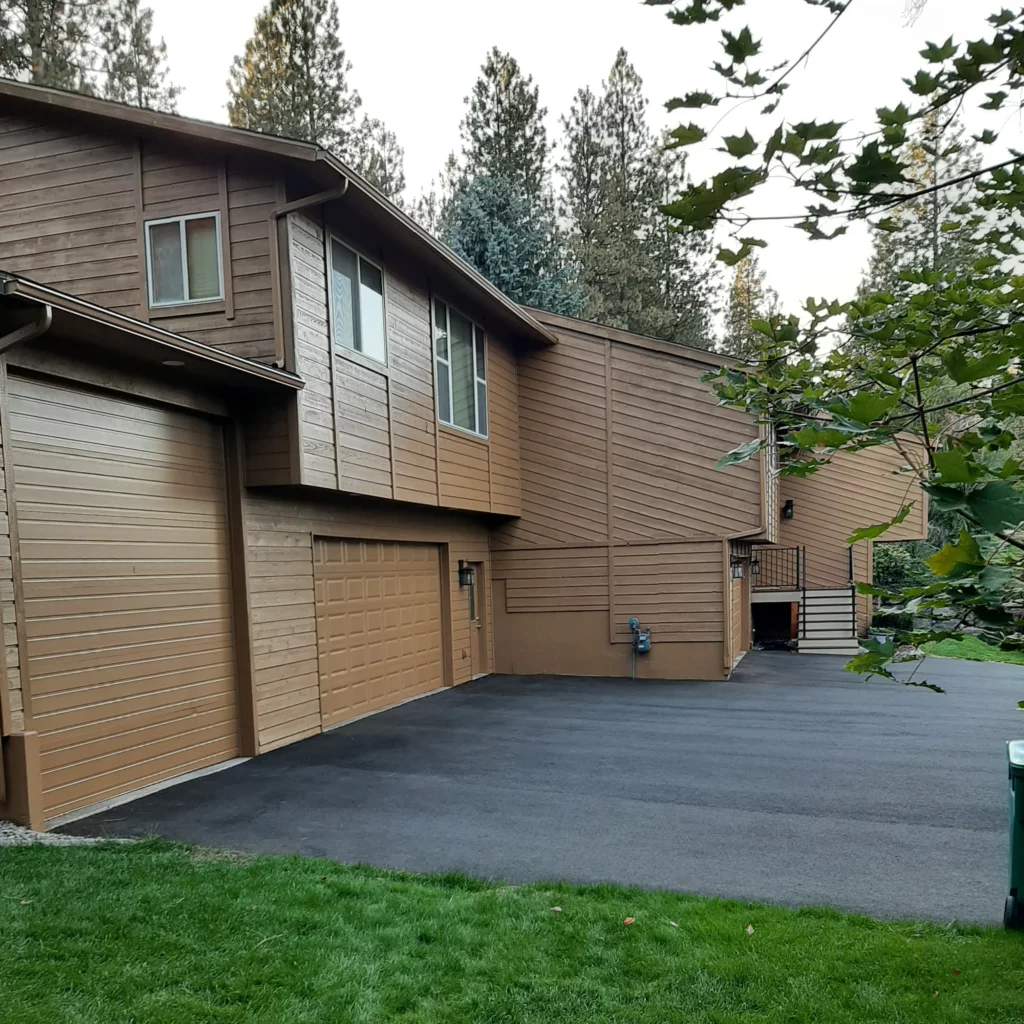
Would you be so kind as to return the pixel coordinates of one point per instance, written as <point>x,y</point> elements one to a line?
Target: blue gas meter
<point>641,637</point>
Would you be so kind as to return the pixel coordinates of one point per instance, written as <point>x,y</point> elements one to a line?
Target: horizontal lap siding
<point>668,431</point>
<point>8,611</point>
<point>555,580</point>
<point>854,490</point>
<point>67,212</point>
<point>674,589</point>
<point>279,554</point>
<point>465,477</point>
<point>364,439</point>
<point>503,427</point>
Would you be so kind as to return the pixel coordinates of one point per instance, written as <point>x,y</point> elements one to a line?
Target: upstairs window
<point>357,302</point>
<point>183,260</point>
<point>460,349</point>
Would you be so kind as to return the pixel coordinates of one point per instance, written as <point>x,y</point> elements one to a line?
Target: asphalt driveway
<point>794,783</point>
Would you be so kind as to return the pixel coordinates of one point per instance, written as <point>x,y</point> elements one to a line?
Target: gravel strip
<point>16,835</point>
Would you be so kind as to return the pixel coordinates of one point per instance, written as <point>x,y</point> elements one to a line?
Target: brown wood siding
<point>674,589</point>
<point>71,209</point>
<point>279,541</point>
<point>364,439</point>
<point>67,211</point>
<point>668,431</point>
<point>464,472</point>
<point>503,427</point>
<point>855,490</point>
<point>14,704</point>
<point>126,577</point>
<point>553,579</point>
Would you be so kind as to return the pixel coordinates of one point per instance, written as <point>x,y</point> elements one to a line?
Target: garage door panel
<point>127,587</point>
<point>378,625</point>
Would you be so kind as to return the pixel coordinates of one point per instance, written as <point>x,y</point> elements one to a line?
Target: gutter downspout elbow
<point>29,331</point>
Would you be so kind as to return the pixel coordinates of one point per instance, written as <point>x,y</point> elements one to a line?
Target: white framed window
<point>357,301</point>
<point>460,352</point>
<point>183,260</point>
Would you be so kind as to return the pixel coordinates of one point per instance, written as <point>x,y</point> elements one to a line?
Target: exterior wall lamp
<point>787,509</point>
<point>737,569</point>
<point>466,574</point>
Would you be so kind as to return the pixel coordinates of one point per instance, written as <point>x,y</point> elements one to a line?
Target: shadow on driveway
<point>794,783</point>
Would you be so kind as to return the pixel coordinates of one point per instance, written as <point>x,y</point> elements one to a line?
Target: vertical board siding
<point>279,552</point>
<point>67,211</point>
<point>307,263</point>
<point>854,490</point>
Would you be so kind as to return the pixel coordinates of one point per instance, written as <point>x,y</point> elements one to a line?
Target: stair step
<point>848,646</point>
<point>827,592</point>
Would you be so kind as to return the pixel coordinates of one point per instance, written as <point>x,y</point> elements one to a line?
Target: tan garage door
<point>121,515</point>
<point>378,623</point>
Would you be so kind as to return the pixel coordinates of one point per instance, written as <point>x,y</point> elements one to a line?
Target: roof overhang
<point>29,310</point>
<point>319,164</point>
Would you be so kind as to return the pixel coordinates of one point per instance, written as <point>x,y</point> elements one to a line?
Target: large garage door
<point>378,618</point>
<point>121,516</point>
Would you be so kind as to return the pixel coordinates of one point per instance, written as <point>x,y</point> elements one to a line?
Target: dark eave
<point>120,339</point>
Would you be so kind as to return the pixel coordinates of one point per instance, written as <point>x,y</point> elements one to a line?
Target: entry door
<point>478,620</point>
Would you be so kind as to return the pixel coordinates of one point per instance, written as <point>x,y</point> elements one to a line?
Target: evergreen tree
<point>929,232</point>
<point>503,134</point>
<point>749,300</point>
<point>582,198</point>
<point>378,157</point>
<point>489,223</point>
<point>134,66</point>
<point>430,206</point>
<point>51,42</point>
<point>293,77</point>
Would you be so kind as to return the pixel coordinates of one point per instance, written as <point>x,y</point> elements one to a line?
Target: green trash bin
<point>1013,915</point>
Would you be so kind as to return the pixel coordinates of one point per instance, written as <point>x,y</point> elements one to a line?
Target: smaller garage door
<point>378,611</point>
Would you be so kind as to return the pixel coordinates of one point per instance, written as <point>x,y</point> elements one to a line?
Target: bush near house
<point>163,934</point>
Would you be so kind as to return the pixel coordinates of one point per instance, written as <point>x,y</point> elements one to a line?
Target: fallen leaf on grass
<point>750,929</point>
<point>25,903</point>
<point>628,920</point>
<point>673,924</point>
<point>556,910</point>
<point>955,971</point>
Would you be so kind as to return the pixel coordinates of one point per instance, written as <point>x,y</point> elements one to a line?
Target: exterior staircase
<point>828,622</point>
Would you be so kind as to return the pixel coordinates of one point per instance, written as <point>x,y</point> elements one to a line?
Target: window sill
<point>187,309</point>
<point>468,435</point>
<point>373,365</point>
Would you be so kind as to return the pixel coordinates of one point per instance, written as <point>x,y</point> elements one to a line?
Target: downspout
<point>282,357</point>
<point>28,331</point>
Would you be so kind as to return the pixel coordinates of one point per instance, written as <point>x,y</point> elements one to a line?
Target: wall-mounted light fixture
<point>787,509</point>
<point>737,570</point>
<point>755,567</point>
<point>466,574</point>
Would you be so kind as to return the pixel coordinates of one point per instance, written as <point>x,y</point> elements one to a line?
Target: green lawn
<point>973,649</point>
<point>158,933</point>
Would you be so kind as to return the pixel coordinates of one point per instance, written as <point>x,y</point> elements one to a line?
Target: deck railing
<point>778,569</point>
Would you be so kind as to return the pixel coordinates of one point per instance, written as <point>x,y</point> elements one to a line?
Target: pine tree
<point>51,42</point>
<point>134,66</point>
<point>749,299</point>
<point>430,206</point>
<point>377,156</point>
<point>503,133</point>
<point>582,197</point>
<point>930,233</point>
<point>293,78</point>
<point>490,224</point>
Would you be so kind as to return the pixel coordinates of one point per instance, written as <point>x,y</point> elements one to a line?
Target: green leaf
<point>687,135</point>
<point>811,131</point>
<point>981,51</point>
<point>987,137</point>
<point>964,370</point>
<point>871,532</point>
<point>741,46</point>
<point>692,101</point>
<point>937,54</point>
<point>1004,17</point>
<point>964,552</point>
<point>762,327</point>
<point>995,100</point>
<point>993,581</point>
<point>995,506</point>
<point>873,167</point>
<point>889,224</point>
<point>740,145</point>
<point>923,84</point>
<point>955,469</point>
<point>742,453</point>
<point>869,406</point>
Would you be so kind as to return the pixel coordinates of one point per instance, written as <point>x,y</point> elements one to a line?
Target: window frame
<point>180,221</point>
<point>360,256</point>
<point>478,332</point>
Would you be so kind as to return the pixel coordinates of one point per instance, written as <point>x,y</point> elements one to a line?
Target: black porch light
<point>787,509</point>
<point>466,574</point>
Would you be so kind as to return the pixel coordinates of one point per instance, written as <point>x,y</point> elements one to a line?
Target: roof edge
<point>13,284</point>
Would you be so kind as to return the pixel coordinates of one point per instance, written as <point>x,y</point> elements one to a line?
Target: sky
<point>414,62</point>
